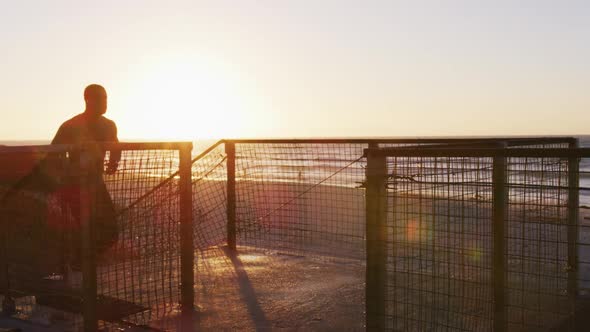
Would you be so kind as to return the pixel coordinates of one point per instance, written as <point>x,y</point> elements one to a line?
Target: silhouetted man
<point>90,127</point>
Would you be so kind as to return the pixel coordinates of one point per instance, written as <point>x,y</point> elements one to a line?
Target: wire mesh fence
<point>308,195</point>
<point>142,269</point>
<point>537,242</point>
<point>308,198</point>
<point>273,220</point>
<point>304,198</point>
<point>476,240</point>
<point>71,230</point>
<point>439,243</point>
<point>209,176</point>
<point>30,248</point>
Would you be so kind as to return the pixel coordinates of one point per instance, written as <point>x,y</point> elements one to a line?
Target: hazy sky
<point>191,69</point>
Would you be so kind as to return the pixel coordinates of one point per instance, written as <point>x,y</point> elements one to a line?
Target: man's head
<point>95,97</point>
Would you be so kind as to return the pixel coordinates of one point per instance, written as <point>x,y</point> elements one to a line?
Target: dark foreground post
<point>88,177</point>
<point>8,304</point>
<point>573,168</point>
<point>500,201</point>
<point>230,150</point>
<point>187,254</point>
<point>376,233</point>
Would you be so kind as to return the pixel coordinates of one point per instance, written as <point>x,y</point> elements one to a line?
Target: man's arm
<point>115,154</point>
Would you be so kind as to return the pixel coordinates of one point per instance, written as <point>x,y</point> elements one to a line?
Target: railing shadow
<point>247,292</point>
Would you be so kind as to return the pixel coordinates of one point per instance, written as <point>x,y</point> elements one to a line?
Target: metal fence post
<point>500,201</point>
<point>230,150</point>
<point>187,254</point>
<point>87,174</point>
<point>376,235</point>
<point>8,304</point>
<point>573,168</point>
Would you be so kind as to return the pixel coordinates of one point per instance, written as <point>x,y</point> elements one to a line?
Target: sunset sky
<point>201,69</point>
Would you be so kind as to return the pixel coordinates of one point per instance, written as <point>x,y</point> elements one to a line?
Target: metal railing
<point>257,167</point>
<point>332,199</point>
<point>428,209</point>
<point>127,232</point>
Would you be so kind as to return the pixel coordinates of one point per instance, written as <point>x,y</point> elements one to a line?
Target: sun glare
<point>184,100</point>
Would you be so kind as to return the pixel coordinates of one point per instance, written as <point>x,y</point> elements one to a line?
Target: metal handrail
<point>482,152</point>
<point>511,141</point>
<point>128,146</point>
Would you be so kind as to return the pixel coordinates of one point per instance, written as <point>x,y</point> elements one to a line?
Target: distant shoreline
<point>48,141</point>
<point>24,142</point>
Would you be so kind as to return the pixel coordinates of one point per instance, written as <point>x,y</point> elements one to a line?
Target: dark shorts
<point>72,198</point>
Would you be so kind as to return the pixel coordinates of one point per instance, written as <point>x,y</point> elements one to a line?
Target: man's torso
<point>84,128</point>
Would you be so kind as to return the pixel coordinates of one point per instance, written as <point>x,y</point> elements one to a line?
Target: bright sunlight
<point>184,99</point>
